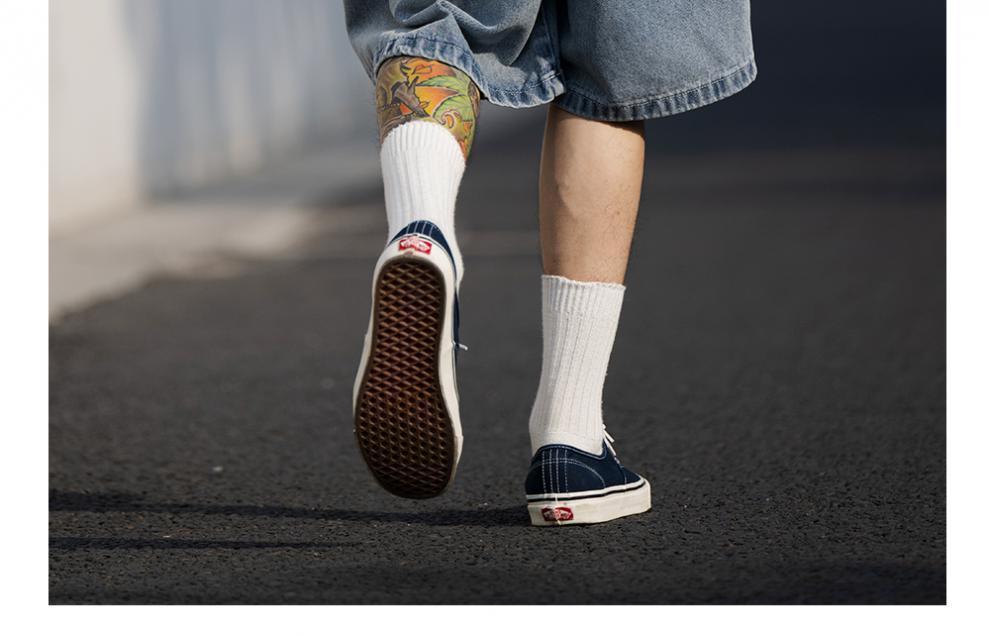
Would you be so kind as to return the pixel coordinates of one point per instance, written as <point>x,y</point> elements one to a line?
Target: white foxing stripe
<point>602,492</point>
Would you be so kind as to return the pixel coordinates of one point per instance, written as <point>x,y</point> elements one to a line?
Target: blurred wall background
<point>184,130</point>
<point>157,97</point>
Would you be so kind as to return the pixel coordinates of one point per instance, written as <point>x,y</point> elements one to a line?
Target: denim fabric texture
<point>605,60</point>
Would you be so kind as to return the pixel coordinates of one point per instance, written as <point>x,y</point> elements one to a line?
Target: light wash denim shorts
<point>613,60</point>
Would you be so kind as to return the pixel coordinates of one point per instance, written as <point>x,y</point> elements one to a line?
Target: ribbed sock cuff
<point>422,166</point>
<point>594,298</point>
<point>580,320</point>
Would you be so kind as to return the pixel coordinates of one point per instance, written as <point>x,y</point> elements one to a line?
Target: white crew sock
<point>422,165</point>
<point>579,324</point>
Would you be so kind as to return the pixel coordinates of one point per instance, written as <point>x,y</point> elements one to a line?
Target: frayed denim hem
<point>573,101</point>
<point>551,88</point>
<point>532,93</point>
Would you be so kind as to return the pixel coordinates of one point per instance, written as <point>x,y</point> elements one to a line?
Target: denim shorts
<point>613,60</point>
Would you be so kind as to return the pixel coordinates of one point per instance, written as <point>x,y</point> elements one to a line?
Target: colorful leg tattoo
<point>411,89</point>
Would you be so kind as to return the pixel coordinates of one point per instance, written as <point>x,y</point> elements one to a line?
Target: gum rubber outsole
<point>401,420</point>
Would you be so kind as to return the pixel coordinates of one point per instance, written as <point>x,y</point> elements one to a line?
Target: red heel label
<point>557,514</point>
<point>415,243</point>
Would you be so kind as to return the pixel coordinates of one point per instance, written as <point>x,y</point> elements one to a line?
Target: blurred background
<point>152,100</point>
<point>216,210</point>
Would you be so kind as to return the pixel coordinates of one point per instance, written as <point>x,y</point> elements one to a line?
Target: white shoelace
<point>609,441</point>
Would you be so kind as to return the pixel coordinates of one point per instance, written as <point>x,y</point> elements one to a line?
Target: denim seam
<point>401,40</point>
<point>412,40</point>
<point>551,44</point>
<point>665,96</point>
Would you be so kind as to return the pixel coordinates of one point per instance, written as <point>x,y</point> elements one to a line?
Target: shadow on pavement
<point>71,543</point>
<point>59,501</point>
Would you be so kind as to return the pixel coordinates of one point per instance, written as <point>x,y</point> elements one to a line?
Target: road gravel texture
<point>779,376</point>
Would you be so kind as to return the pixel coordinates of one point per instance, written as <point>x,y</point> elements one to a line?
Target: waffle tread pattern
<point>402,425</point>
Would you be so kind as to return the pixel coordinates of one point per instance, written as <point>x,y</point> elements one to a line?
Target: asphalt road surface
<point>778,376</point>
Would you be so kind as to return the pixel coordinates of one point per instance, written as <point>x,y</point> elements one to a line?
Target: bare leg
<point>424,105</point>
<point>590,178</point>
<point>406,415</point>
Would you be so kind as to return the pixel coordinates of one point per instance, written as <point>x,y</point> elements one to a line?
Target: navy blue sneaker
<point>405,396</point>
<point>568,486</point>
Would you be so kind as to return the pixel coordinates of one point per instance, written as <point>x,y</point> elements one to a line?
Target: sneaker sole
<point>577,510</point>
<point>403,427</point>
